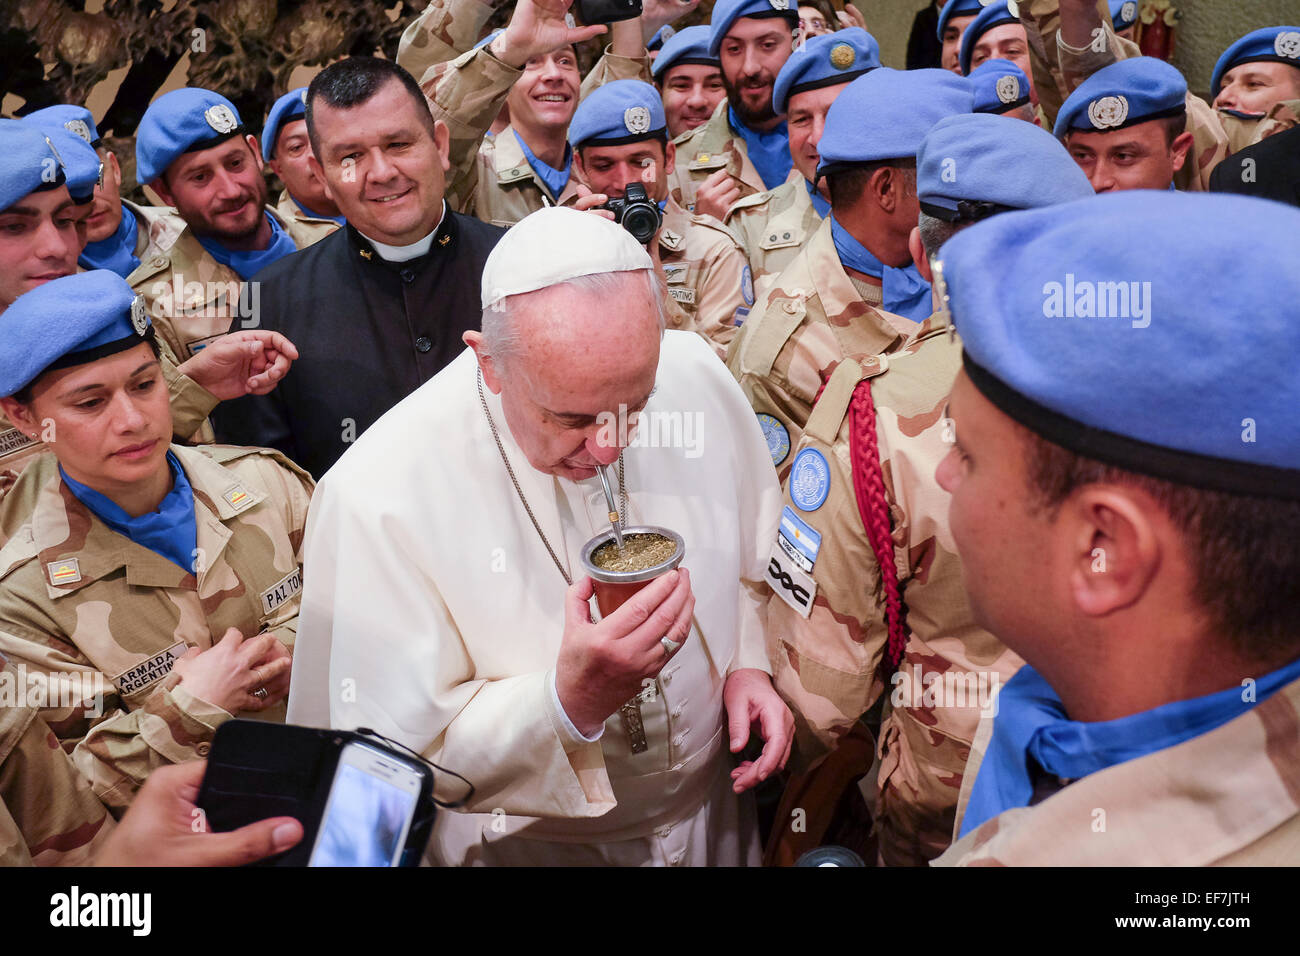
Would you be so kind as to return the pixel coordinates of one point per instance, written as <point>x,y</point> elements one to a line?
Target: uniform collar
<point>67,535</point>
<point>867,332</point>
<point>672,233</point>
<point>442,242</point>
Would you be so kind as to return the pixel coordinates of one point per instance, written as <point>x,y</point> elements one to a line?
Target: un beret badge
<point>636,119</point>
<point>139,321</point>
<point>1008,89</point>
<point>780,4</point>
<point>1108,112</point>
<point>221,118</point>
<point>1288,45</point>
<point>303,94</point>
<point>842,56</point>
<point>1013,8</point>
<point>1128,12</point>
<point>79,127</point>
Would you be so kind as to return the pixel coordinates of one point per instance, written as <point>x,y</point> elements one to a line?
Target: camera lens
<point>641,222</point>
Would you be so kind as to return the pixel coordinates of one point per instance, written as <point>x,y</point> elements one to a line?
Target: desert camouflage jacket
<point>445,30</point>
<point>773,226</point>
<point>311,228</point>
<point>706,273</point>
<point>706,149</point>
<point>490,177</point>
<point>48,814</point>
<point>193,299</point>
<point>98,620</point>
<point>1226,798</point>
<point>827,624</point>
<point>811,318</point>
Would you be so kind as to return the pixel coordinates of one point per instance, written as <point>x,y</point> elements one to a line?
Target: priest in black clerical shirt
<point>377,308</point>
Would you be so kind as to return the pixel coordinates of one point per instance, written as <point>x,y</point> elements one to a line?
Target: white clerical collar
<point>414,250</point>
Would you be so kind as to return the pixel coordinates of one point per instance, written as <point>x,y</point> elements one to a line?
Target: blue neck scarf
<point>170,531</point>
<point>1031,724</point>
<point>555,179</point>
<point>902,291</point>
<point>769,152</point>
<point>317,215</point>
<point>117,252</point>
<point>249,264</point>
<point>822,206</point>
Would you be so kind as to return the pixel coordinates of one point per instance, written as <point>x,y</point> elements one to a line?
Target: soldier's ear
<point>670,158</point>
<point>21,415</point>
<point>251,140</point>
<point>442,142</point>
<point>1178,149</point>
<point>159,186</point>
<point>917,249</point>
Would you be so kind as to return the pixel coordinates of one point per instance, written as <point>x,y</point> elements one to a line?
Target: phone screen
<point>369,810</point>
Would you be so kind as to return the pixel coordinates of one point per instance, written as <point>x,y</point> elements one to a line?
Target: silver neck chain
<point>622,488</point>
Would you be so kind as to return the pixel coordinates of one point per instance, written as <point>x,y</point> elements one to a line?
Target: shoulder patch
<point>776,435</point>
<point>810,480</point>
<point>64,571</point>
<point>747,286</point>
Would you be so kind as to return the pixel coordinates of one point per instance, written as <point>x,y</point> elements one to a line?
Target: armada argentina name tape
<point>1086,299</point>
<point>81,690</point>
<point>75,908</point>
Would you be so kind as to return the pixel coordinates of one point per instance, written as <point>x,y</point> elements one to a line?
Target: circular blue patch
<point>776,435</point>
<point>747,286</point>
<point>810,480</point>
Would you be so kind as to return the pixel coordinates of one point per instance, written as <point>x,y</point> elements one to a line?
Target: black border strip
<point>1180,467</point>
<point>623,140</point>
<point>69,359</point>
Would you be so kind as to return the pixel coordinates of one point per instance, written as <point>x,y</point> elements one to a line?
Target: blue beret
<point>959,8</point>
<point>972,165</point>
<point>994,15</point>
<point>179,122</point>
<point>998,85</point>
<point>624,111</point>
<point>66,322</point>
<point>1272,44</point>
<point>662,36</point>
<point>1123,14</point>
<point>825,61</point>
<point>291,106</point>
<point>886,113</point>
<point>727,12</point>
<point>1158,366</point>
<point>30,164</point>
<point>81,164</point>
<point>1123,94</point>
<point>685,46</point>
<point>75,119</point>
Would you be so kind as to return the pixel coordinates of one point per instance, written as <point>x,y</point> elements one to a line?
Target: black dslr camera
<point>636,213</point>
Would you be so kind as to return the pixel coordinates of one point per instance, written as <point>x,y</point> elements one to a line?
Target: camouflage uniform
<point>209,306</point>
<point>48,814</point>
<point>827,622</point>
<point>157,227</point>
<point>773,226</point>
<point>83,602</point>
<point>705,271</point>
<point>1226,798</point>
<point>490,177</point>
<point>445,30</point>
<point>811,317</point>
<point>703,151</point>
<point>308,226</point>
<point>1059,70</point>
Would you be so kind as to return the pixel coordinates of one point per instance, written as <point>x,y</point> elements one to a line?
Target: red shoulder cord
<point>869,489</point>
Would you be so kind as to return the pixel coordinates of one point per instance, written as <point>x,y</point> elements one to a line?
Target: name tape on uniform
<point>798,539</point>
<point>282,591</point>
<point>149,671</point>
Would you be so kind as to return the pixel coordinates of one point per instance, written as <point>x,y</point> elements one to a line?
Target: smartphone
<point>592,12</point>
<point>368,814</point>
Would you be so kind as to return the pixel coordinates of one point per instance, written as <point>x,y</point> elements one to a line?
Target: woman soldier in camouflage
<point>152,590</point>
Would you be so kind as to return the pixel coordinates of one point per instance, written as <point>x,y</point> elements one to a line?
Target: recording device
<point>636,213</point>
<point>593,12</point>
<point>362,800</point>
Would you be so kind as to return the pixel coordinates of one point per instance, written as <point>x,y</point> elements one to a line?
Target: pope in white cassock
<point>437,610</point>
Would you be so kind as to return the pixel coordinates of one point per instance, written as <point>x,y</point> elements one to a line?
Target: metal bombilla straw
<point>615,521</point>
